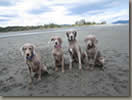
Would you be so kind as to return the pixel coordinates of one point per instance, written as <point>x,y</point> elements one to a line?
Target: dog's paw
<point>87,67</point>
<point>56,69</point>
<point>70,67</point>
<point>63,71</point>
<point>91,68</point>
<point>80,67</point>
<point>39,79</point>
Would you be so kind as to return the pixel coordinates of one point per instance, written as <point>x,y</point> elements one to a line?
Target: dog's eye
<point>24,48</point>
<point>30,48</point>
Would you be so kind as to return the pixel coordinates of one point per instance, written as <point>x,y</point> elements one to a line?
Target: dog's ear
<point>86,39</point>
<point>52,39</point>
<point>67,34</point>
<point>75,33</point>
<point>22,50</point>
<point>60,40</point>
<point>33,48</point>
<point>95,40</point>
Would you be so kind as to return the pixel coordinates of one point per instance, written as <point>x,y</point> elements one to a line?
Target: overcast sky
<point>40,12</point>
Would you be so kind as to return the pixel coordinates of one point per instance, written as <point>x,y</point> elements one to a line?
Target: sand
<point>113,81</point>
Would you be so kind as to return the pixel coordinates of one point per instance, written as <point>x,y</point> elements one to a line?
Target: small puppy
<point>58,53</point>
<point>32,60</point>
<point>94,56</point>
<point>74,49</point>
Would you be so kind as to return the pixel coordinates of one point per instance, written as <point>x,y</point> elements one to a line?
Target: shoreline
<point>57,27</point>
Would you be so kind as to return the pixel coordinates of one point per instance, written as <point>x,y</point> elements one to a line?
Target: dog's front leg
<point>62,63</point>
<point>79,58</point>
<point>70,65</point>
<point>70,58</point>
<point>39,73</point>
<point>95,56</point>
<point>56,67</point>
<point>30,74</point>
<point>87,60</point>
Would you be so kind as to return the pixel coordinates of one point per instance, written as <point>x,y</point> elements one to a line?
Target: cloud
<point>5,3</point>
<point>40,12</point>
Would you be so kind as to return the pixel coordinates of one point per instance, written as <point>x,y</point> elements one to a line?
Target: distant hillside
<point>121,22</point>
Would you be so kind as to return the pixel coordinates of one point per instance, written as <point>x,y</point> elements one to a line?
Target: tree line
<point>52,25</point>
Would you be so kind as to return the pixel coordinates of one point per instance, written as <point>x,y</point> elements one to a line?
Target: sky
<point>40,12</point>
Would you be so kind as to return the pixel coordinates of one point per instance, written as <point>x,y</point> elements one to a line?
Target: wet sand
<point>113,81</point>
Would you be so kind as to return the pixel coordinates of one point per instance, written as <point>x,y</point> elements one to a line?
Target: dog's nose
<point>89,44</point>
<point>56,43</point>
<point>27,55</point>
<point>71,37</point>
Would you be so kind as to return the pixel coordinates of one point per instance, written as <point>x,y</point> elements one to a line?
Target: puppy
<point>32,60</point>
<point>94,56</point>
<point>74,49</point>
<point>58,53</point>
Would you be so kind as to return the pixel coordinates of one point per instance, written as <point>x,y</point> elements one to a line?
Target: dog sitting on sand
<point>58,53</point>
<point>32,60</point>
<point>94,57</point>
<point>74,49</point>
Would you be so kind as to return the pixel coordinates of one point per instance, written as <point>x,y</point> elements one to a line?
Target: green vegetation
<point>52,25</point>
<point>22,28</point>
<point>83,22</point>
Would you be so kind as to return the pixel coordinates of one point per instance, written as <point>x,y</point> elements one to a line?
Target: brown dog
<point>74,49</point>
<point>58,52</point>
<point>94,56</point>
<point>32,60</point>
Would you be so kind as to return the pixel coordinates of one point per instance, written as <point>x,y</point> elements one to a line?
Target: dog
<point>32,60</point>
<point>58,53</point>
<point>94,57</point>
<point>74,49</point>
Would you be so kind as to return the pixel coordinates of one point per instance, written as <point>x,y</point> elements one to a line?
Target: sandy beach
<point>113,81</point>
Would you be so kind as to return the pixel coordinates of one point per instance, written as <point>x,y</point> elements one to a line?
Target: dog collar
<point>30,57</point>
<point>57,46</point>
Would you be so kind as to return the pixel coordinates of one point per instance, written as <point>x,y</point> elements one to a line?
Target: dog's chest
<point>72,50</point>
<point>34,65</point>
<point>91,52</point>
<point>57,54</point>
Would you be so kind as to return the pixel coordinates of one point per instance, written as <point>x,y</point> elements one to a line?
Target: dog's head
<point>57,41</point>
<point>90,41</point>
<point>71,35</point>
<point>28,50</point>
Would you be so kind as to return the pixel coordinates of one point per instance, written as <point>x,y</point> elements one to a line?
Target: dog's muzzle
<point>89,43</point>
<point>28,57</point>
<point>71,37</point>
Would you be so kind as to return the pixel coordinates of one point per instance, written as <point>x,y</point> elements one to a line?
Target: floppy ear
<point>67,34</point>
<point>21,50</point>
<point>60,40</point>
<point>75,33</point>
<point>52,39</point>
<point>95,40</point>
<point>86,39</point>
<point>34,47</point>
